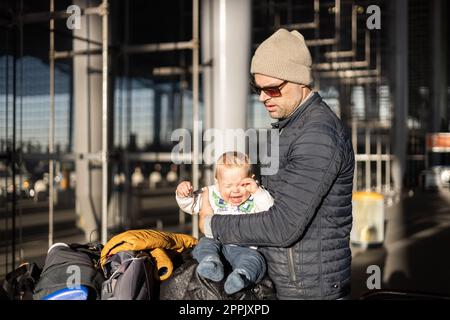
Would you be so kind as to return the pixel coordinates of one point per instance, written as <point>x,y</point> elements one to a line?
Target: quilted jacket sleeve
<point>313,163</point>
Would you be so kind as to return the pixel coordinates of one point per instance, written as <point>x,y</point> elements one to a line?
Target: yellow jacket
<point>150,240</point>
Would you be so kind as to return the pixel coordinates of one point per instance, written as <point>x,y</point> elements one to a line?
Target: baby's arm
<point>261,197</point>
<point>263,200</point>
<point>184,201</point>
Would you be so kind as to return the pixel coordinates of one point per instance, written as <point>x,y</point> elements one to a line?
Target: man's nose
<point>263,97</point>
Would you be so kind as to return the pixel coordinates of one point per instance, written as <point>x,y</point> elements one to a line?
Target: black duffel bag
<point>61,261</point>
<point>186,284</point>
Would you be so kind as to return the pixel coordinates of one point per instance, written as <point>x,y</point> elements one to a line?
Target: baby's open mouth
<point>235,199</point>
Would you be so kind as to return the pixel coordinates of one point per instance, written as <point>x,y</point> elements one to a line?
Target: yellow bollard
<point>368,219</point>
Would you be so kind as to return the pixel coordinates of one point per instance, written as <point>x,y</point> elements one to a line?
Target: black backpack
<point>131,276</point>
<point>60,261</point>
<point>20,283</point>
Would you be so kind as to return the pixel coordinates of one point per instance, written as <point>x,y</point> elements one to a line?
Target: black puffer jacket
<point>305,235</point>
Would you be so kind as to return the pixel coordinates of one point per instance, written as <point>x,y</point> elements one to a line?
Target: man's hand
<point>184,189</point>
<point>250,185</point>
<point>205,210</point>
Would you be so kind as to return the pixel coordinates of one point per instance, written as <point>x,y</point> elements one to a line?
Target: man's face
<point>292,95</point>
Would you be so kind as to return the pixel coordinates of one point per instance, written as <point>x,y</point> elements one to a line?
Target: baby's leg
<point>206,252</point>
<point>248,265</point>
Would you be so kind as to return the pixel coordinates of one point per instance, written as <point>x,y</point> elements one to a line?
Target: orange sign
<point>438,142</point>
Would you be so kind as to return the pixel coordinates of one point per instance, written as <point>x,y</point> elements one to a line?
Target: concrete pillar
<point>87,93</point>
<point>400,92</point>
<point>207,45</point>
<point>226,42</point>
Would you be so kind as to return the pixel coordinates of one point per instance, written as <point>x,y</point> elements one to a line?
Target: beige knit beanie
<point>284,55</point>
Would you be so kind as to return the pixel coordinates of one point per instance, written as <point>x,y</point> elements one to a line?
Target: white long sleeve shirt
<point>257,202</point>
<point>260,201</point>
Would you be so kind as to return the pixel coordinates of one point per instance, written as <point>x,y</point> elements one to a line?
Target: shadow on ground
<point>415,256</point>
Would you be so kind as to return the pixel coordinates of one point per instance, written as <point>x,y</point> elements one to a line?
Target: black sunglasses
<point>270,91</point>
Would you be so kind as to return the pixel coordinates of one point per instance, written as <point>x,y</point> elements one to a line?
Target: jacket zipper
<point>301,264</point>
<point>291,265</point>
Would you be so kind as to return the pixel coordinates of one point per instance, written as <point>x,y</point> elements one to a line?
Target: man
<point>304,236</point>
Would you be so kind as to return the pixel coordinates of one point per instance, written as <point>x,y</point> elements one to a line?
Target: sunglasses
<point>272,92</point>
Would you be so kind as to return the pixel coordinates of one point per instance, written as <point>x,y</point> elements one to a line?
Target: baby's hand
<point>250,185</point>
<point>184,189</point>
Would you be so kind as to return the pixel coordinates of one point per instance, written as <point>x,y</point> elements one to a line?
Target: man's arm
<point>313,165</point>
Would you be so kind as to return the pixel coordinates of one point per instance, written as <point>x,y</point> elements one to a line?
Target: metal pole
<point>183,87</point>
<point>104,13</point>
<point>7,148</point>
<point>195,107</point>
<point>354,30</point>
<point>438,78</point>
<point>40,17</point>
<point>388,168</point>
<point>14,154</point>
<point>316,36</point>
<point>52,125</point>
<point>355,150</point>
<point>337,26</point>
<point>401,102</point>
<point>128,87</point>
<point>21,125</point>
<point>207,54</point>
<point>367,147</point>
<point>379,162</point>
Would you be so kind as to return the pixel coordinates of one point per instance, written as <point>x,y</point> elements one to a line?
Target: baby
<point>234,192</point>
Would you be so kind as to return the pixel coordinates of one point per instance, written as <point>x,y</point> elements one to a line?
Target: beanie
<point>285,56</point>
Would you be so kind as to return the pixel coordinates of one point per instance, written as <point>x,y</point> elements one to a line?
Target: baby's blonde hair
<point>234,159</point>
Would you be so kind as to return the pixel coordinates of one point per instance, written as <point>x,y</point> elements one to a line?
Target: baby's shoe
<point>236,281</point>
<point>211,268</point>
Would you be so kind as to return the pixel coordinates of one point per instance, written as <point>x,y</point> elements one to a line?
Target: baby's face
<point>229,183</point>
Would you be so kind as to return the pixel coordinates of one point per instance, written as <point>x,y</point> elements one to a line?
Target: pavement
<point>414,257</point>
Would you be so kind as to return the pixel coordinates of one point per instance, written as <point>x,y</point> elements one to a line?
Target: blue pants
<point>239,257</point>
